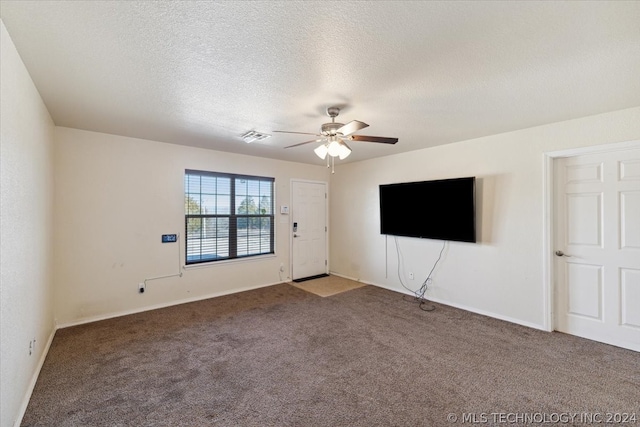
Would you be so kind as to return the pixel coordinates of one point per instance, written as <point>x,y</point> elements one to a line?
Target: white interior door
<point>308,229</point>
<point>597,247</point>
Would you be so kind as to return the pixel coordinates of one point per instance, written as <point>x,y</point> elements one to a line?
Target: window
<point>227,216</point>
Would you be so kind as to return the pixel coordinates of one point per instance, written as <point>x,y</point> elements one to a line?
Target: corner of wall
<point>26,209</point>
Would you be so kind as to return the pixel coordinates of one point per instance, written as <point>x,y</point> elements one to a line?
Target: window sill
<point>228,261</point>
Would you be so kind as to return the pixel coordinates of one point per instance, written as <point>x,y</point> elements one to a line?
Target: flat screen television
<point>441,209</point>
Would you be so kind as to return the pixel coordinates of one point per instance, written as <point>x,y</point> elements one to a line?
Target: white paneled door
<point>309,229</point>
<point>597,247</point>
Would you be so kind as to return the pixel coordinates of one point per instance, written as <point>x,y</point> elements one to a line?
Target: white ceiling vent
<point>252,135</point>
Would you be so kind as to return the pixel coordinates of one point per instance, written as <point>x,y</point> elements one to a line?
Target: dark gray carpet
<point>279,356</point>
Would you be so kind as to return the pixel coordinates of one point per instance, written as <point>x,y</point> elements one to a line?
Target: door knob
<point>560,253</point>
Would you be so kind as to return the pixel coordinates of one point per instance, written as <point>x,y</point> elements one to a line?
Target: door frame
<point>327,220</point>
<point>548,220</point>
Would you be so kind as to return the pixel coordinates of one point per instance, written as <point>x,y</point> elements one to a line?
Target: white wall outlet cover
<point>284,210</point>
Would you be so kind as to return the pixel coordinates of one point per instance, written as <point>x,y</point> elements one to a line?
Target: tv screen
<point>441,209</point>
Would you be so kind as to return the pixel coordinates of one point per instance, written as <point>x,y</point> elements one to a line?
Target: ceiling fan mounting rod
<point>329,129</point>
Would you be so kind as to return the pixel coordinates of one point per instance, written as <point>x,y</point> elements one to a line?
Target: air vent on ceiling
<point>252,136</point>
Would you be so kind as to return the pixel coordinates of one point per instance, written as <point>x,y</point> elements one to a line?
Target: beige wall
<point>501,275</point>
<point>116,196</point>
<point>26,172</point>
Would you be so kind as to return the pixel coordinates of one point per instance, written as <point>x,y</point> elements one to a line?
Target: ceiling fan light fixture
<point>321,151</point>
<point>333,146</point>
<point>334,137</point>
<point>344,152</point>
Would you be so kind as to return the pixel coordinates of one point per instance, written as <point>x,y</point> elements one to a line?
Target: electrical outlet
<point>141,287</point>
<point>411,276</point>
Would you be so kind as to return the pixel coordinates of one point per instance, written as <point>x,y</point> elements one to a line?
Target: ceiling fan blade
<point>302,143</point>
<point>351,127</point>
<point>300,133</point>
<point>380,139</point>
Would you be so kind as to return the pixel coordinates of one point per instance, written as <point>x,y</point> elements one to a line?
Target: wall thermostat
<point>169,238</point>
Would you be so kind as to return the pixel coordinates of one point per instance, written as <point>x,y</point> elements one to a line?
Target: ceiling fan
<point>334,137</point>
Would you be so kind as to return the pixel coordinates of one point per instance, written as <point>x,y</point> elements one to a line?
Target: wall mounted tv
<point>442,209</point>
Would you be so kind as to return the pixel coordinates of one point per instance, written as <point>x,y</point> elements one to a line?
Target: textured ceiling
<point>430,73</point>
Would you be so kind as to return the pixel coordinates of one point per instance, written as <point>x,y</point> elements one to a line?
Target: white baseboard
<point>460,306</point>
<point>163,305</point>
<point>34,379</point>
<point>333,273</point>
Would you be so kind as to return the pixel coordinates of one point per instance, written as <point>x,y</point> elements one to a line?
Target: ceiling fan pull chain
<point>332,164</point>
